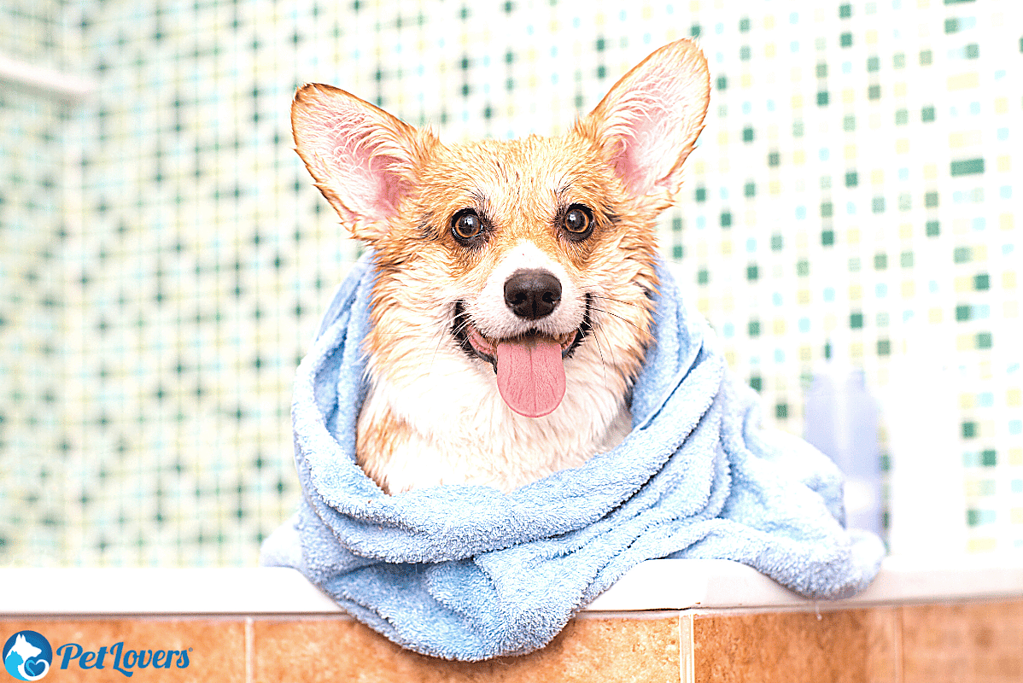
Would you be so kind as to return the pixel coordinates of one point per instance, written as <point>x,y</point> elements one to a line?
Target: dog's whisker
<point>619,317</point>
<point>617,301</point>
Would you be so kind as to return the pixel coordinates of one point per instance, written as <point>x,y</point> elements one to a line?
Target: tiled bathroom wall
<point>164,258</point>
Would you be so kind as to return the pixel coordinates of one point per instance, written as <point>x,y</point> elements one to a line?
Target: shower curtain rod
<point>43,80</point>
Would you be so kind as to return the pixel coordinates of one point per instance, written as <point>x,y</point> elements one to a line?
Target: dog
<point>512,307</point>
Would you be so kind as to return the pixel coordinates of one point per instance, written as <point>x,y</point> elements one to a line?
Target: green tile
<point>967,167</point>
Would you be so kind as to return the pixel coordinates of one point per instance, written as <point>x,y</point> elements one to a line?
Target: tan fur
<point>399,191</point>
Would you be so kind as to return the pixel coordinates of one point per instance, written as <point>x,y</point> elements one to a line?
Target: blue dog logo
<point>27,656</point>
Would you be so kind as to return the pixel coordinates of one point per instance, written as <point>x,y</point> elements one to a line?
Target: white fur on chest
<point>463,432</point>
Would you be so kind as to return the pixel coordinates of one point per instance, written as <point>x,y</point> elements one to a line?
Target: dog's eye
<point>578,222</point>
<point>466,225</point>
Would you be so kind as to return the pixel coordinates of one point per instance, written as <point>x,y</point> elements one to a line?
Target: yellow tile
<point>803,296</point>
<point>799,157</point>
<point>1004,163</point>
<point>1013,397</point>
<point>805,353</point>
<point>1016,515</point>
<point>726,247</point>
<point>966,400</point>
<point>902,146</point>
<point>1016,456</point>
<point>964,138</point>
<point>1010,309</point>
<point>934,315</point>
<point>746,80</point>
<point>856,350</point>
<point>908,289</point>
<point>1009,280</point>
<point>848,95</point>
<point>963,283</point>
<point>778,327</point>
<point>930,171</point>
<point>797,101</point>
<point>850,152</point>
<point>852,235</point>
<point>964,342</point>
<point>1006,222</point>
<point>855,292</point>
<point>900,89</point>
<point>1001,105</point>
<point>871,37</point>
<point>877,176</point>
<point>963,81</point>
<point>981,545</point>
<point>769,21</point>
<point>769,50</point>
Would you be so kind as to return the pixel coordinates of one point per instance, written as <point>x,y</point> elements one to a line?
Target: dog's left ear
<point>649,121</point>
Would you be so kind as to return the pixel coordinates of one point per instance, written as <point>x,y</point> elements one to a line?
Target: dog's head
<point>516,254</point>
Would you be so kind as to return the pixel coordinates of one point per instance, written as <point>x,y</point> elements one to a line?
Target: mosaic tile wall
<point>165,259</point>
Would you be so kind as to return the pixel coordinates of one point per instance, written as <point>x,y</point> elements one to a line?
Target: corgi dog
<point>512,305</point>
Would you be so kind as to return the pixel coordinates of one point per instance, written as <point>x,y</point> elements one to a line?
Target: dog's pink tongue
<point>530,375</point>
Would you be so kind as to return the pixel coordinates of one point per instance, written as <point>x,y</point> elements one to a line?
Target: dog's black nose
<point>532,294</point>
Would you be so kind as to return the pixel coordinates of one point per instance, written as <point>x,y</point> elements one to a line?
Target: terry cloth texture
<point>469,572</point>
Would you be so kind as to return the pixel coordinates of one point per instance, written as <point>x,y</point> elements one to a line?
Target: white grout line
<point>687,657</point>
<point>250,651</point>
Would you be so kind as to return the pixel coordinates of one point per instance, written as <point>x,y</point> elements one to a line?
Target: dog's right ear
<point>361,158</point>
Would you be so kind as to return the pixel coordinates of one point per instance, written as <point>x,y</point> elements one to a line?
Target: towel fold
<point>469,572</point>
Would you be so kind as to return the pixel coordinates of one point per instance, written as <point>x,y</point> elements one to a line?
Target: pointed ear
<point>648,122</point>
<point>361,158</point>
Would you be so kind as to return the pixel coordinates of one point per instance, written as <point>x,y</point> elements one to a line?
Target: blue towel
<point>469,572</point>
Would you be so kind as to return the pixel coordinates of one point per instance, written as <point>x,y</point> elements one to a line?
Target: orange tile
<point>590,648</point>
<point>791,647</point>
<point>215,649</point>
<point>965,643</point>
